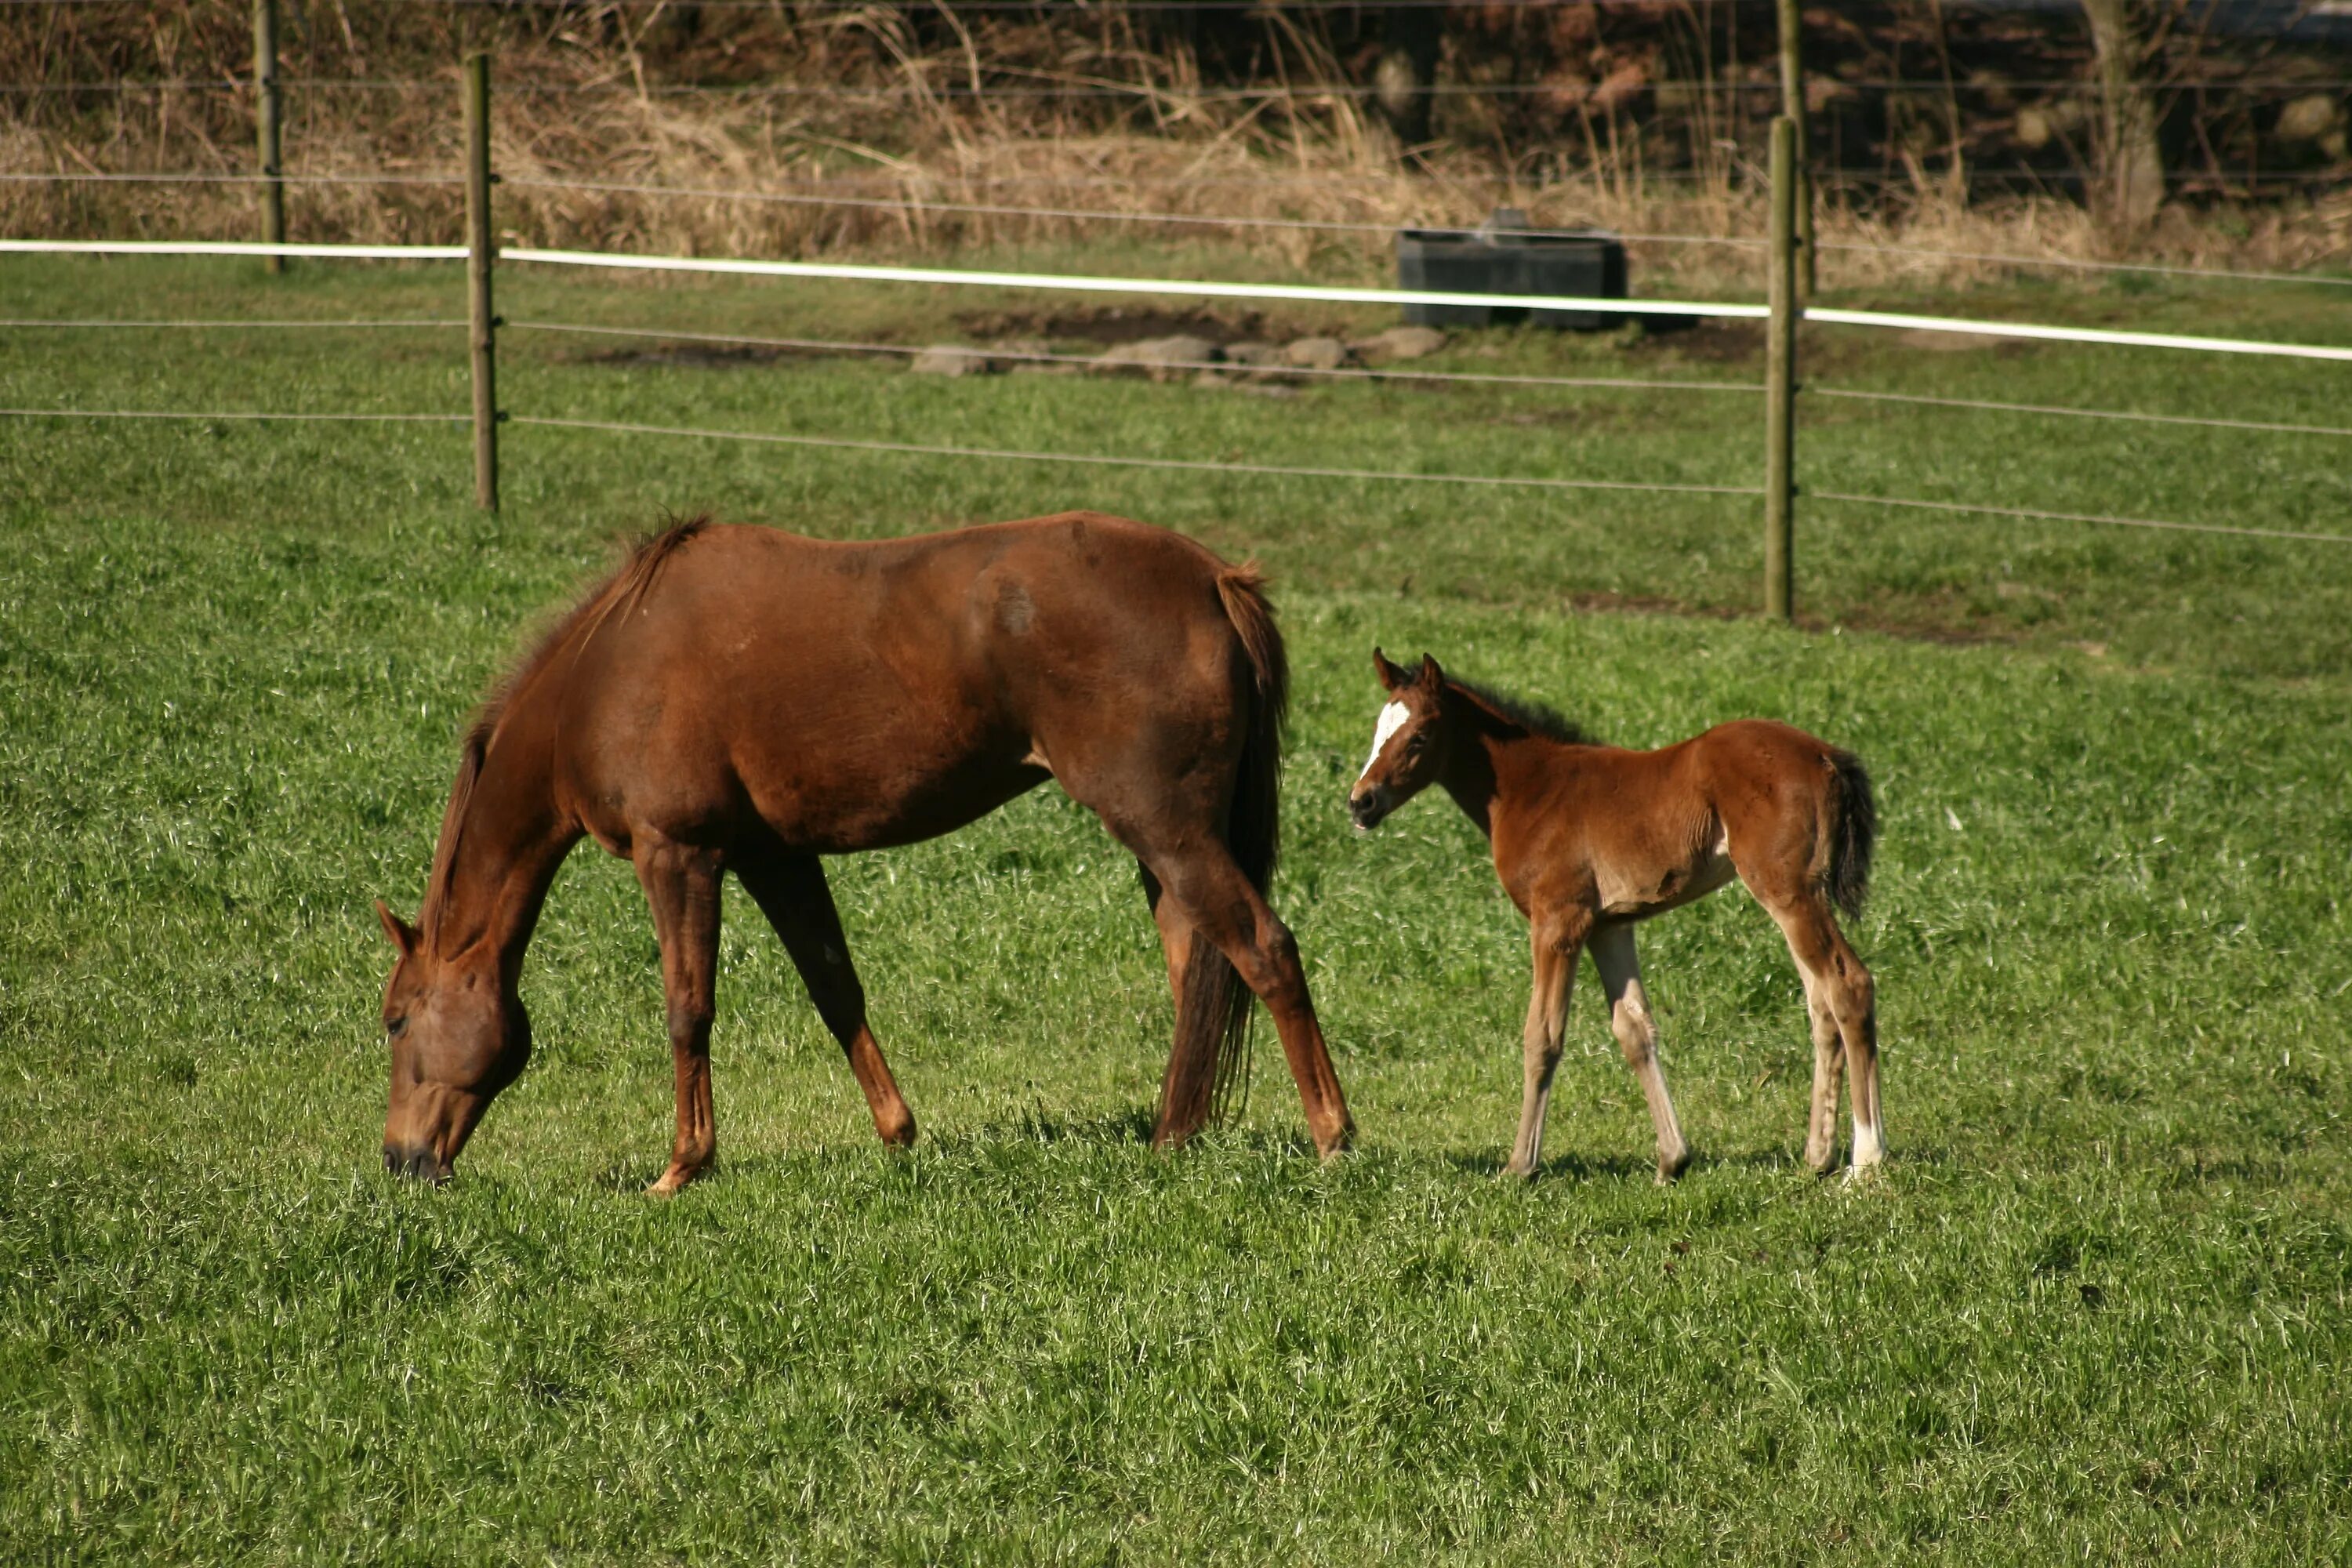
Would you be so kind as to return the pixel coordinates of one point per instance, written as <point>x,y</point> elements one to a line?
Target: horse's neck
<point>1493,769</point>
<point>510,840</point>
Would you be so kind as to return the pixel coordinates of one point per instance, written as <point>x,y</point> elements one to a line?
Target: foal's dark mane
<point>627,583</point>
<point>1534,717</point>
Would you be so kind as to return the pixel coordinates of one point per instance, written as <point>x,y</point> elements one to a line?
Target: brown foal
<point>1588,840</point>
<point>744,699</point>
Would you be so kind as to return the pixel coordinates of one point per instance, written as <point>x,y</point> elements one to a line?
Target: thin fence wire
<point>1028,356</point>
<point>817,198</point>
<point>2061,412</point>
<point>2037,515</point>
<point>1103,215</point>
<point>206,177</point>
<point>236,324</point>
<point>2073,265</point>
<point>1186,465</point>
<point>214,415</point>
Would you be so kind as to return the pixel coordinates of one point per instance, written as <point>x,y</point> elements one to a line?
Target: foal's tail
<point>1854,832</point>
<point>1212,1051</point>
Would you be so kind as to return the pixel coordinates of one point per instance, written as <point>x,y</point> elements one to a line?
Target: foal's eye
<point>393,1030</point>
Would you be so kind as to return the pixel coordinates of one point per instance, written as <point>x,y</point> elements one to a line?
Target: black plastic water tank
<point>1504,257</point>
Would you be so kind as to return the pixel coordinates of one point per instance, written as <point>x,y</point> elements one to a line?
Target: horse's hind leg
<point>1843,1000</point>
<point>1216,901</point>
<point>681,884</point>
<point>1637,1036</point>
<point>791,891</point>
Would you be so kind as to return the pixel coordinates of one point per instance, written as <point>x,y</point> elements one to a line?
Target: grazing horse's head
<point>458,1035</point>
<point>1408,743</point>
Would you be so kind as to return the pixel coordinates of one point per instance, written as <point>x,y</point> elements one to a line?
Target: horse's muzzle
<point>1368,808</point>
<point>415,1165</point>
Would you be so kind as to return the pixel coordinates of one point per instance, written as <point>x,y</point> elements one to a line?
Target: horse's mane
<point>1534,717</point>
<point>626,586</point>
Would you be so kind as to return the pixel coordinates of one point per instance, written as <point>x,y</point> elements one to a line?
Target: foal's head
<point>1409,742</point>
<point>458,1035</point>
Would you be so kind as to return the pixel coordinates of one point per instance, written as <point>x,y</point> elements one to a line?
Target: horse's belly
<point>879,808</point>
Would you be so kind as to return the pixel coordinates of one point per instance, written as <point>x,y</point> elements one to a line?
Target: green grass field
<point>2099,1309</point>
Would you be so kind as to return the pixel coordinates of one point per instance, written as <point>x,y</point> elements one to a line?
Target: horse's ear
<point>1390,676</point>
<point>403,934</point>
<point>1431,677</point>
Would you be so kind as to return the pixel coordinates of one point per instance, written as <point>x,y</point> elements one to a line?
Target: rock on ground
<point>1399,343</point>
<point>1162,359</point>
<point>946,359</point>
<point>1316,353</point>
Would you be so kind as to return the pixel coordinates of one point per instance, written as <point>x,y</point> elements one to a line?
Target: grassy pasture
<point>2097,1309</point>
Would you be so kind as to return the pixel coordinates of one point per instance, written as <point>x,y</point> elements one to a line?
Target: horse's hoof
<point>1671,1167</point>
<point>1520,1175</point>
<point>673,1181</point>
<point>1864,1175</point>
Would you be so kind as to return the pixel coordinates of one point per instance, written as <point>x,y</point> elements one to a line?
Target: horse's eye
<point>393,1029</point>
<point>1413,747</point>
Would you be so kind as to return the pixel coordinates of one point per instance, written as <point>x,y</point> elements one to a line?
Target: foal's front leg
<point>1558,940</point>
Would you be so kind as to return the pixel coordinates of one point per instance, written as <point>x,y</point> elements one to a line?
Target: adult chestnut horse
<point>1590,839</point>
<point>744,699</point>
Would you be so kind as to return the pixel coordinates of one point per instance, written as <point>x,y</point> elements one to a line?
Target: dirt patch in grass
<point>1113,324</point>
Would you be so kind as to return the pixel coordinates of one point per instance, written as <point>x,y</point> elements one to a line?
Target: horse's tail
<point>1211,1057</point>
<point>1853,833</point>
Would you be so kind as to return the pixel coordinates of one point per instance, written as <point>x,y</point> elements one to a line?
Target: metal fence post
<point>1792,104</point>
<point>480,255</point>
<point>1781,381</point>
<point>266,128</point>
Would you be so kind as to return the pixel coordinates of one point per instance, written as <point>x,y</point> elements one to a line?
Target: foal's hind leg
<point>1843,999</point>
<point>681,885</point>
<point>1637,1036</point>
<point>791,891</point>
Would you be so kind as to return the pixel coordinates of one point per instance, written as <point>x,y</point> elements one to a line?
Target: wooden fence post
<point>480,255</point>
<point>266,128</point>
<point>1781,381</point>
<point>1792,104</point>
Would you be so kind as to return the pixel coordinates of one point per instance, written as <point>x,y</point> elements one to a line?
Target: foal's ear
<point>1431,677</point>
<point>403,934</point>
<point>1390,676</point>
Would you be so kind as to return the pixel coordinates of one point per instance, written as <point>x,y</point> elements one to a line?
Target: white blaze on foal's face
<point>1393,718</point>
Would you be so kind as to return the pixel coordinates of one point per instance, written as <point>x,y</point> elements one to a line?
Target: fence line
<point>2045,408</point>
<point>1188,465</point>
<point>234,248</point>
<point>240,323</point>
<point>210,415</point>
<point>1173,288</point>
<point>2033,514</point>
<point>923,205</point>
<point>201,177</point>
<point>829,346</point>
<point>1197,288</point>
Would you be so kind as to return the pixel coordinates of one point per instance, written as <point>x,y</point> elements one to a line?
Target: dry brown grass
<point>883,128</point>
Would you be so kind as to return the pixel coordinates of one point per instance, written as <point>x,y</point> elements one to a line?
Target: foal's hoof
<point>1516,1173</point>
<point>1672,1166</point>
<point>1864,1175</point>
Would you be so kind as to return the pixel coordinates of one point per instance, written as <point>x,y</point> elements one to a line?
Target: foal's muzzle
<point>1368,808</point>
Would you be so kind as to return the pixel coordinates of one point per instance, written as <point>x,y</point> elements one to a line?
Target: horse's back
<point>851,694</point>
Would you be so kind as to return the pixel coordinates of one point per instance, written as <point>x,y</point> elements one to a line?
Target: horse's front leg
<point>1558,939</point>
<point>681,883</point>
